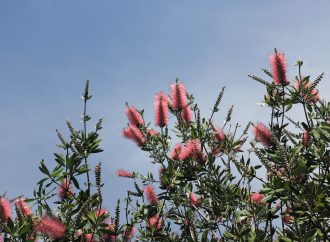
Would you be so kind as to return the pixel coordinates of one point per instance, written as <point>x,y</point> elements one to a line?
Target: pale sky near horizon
<point>131,50</point>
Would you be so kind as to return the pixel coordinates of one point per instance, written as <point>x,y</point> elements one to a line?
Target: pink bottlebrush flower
<point>278,66</point>
<point>194,200</point>
<point>5,209</point>
<point>219,138</point>
<point>216,150</point>
<point>201,158</point>
<point>219,135</point>
<point>178,95</point>
<point>108,237</point>
<point>192,149</point>
<point>65,189</point>
<point>89,238</point>
<point>133,115</point>
<point>162,170</point>
<point>256,197</point>
<point>152,132</point>
<point>129,234</point>
<point>151,195</point>
<point>51,227</point>
<point>161,109</point>
<point>186,115</point>
<point>308,95</point>
<point>155,221</point>
<point>263,134</point>
<point>187,221</point>
<point>124,173</point>
<point>101,212</point>
<point>194,146</point>
<point>132,132</point>
<point>176,152</point>
<point>23,207</point>
<point>302,85</point>
<point>287,218</point>
<point>306,138</point>
<point>113,238</point>
<point>1,238</point>
<point>313,97</point>
<point>78,233</point>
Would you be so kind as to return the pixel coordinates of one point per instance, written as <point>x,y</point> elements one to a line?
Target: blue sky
<point>130,50</point>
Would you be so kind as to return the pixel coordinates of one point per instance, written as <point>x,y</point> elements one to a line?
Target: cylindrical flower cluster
<point>151,194</point>
<point>134,117</point>
<point>161,109</point>
<point>5,209</point>
<point>278,66</point>
<point>134,133</point>
<point>51,227</point>
<point>263,134</point>
<point>23,207</point>
<point>178,96</point>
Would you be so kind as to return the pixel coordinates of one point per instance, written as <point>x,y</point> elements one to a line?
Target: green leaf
<point>43,168</point>
<point>311,235</point>
<point>42,180</point>
<point>300,167</point>
<point>75,182</point>
<point>241,215</point>
<point>229,235</point>
<point>288,107</point>
<point>24,229</point>
<point>296,149</point>
<point>252,235</point>
<point>285,239</point>
<point>204,236</point>
<point>56,172</point>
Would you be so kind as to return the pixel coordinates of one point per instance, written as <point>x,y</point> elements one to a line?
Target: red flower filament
<point>176,152</point>
<point>278,66</point>
<point>65,189</point>
<point>5,209</point>
<point>219,135</point>
<point>263,134</point>
<point>161,109</point>
<point>306,138</point>
<point>151,195</point>
<point>186,115</point>
<point>23,207</point>
<point>256,198</point>
<point>155,221</point>
<point>178,95</point>
<point>51,227</point>
<point>194,200</point>
<point>132,132</point>
<point>124,173</point>
<point>134,117</point>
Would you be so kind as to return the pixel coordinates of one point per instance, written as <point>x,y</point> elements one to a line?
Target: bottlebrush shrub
<point>293,203</point>
<point>203,189</point>
<point>297,159</point>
